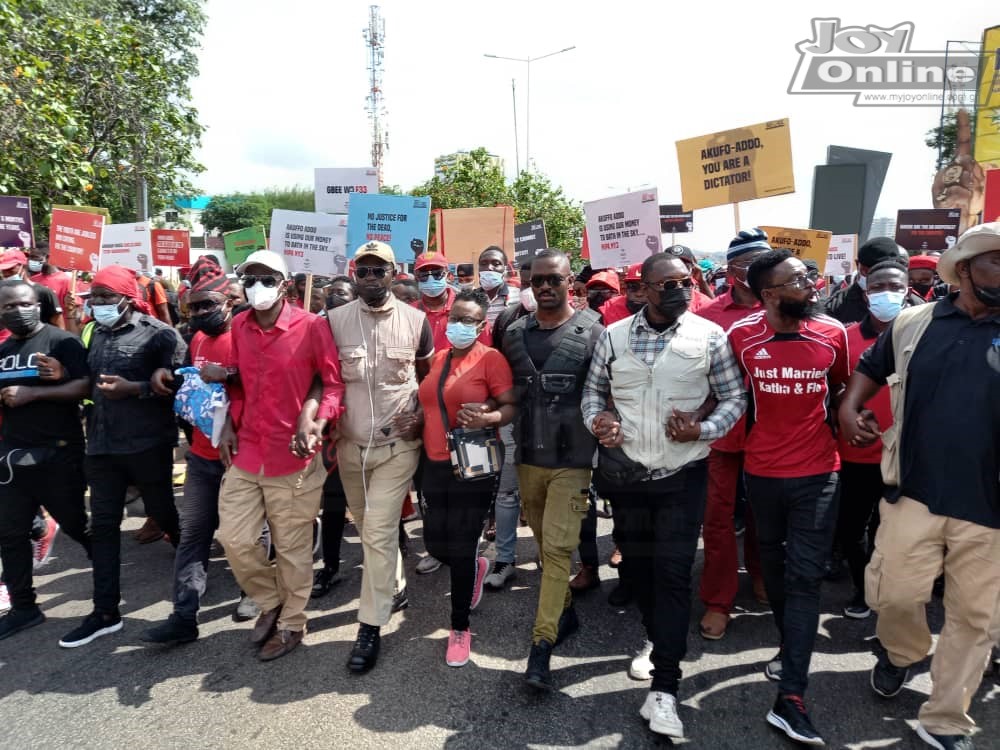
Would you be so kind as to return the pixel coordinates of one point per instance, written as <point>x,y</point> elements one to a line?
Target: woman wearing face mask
<point>860,474</point>
<point>476,384</point>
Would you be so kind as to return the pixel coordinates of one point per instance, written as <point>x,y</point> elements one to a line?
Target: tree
<point>236,211</point>
<point>943,138</point>
<point>94,101</point>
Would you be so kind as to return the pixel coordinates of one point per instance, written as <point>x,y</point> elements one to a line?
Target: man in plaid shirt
<point>651,381</point>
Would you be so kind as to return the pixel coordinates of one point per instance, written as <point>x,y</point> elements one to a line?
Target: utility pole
<point>375,38</point>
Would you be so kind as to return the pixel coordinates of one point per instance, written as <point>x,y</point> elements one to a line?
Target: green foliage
<point>94,98</point>
<point>236,211</point>
<point>943,139</point>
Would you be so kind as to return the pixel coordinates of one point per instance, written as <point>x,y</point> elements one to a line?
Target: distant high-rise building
<point>883,226</point>
<point>446,163</point>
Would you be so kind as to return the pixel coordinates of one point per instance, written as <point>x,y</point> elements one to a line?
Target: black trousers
<point>58,484</point>
<point>109,477</point>
<point>861,488</point>
<point>455,514</point>
<point>796,519</point>
<point>334,509</point>
<point>659,522</point>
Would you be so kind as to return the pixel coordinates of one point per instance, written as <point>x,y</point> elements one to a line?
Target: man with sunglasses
<point>796,361</point>
<point>385,349</point>
<point>278,350</point>
<point>549,353</point>
<point>702,294</point>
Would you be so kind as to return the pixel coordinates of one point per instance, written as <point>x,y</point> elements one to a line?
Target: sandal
<point>713,625</point>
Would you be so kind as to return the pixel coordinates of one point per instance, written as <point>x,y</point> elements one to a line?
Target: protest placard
<point>674,219</point>
<point>461,234</point>
<point>218,253</point>
<point>127,245</point>
<point>75,240</point>
<point>310,242</point>
<point>87,210</point>
<point>399,221</point>
<point>529,238</point>
<point>623,229</point>
<point>335,186</point>
<point>736,165</point>
<point>925,230</point>
<point>991,199</point>
<point>171,247</point>
<point>240,243</point>
<point>841,255</point>
<point>807,244</point>
<point>15,222</point>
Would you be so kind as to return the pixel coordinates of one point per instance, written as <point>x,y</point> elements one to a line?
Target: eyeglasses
<point>363,272</point>
<point>660,286</point>
<point>799,282</point>
<point>268,282</point>
<point>633,286</point>
<point>468,321</point>
<point>437,273</point>
<point>204,306</point>
<point>552,279</point>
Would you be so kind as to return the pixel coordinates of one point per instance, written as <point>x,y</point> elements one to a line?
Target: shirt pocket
<point>399,365</point>
<point>126,360</point>
<point>689,360</point>
<point>353,364</point>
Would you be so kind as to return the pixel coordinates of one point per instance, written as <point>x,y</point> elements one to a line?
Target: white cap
<point>267,258</point>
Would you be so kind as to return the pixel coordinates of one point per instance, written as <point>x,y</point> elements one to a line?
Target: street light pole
<point>527,61</point>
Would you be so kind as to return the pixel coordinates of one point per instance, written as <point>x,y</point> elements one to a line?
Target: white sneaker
<point>660,710</point>
<point>4,598</point>
<point>428,564</point>
<point>641,667</point>
<point>502,572</point>
<point>247,609</point>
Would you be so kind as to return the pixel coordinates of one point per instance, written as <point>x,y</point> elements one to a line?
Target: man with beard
<point>793,358</point>
<point>658,368</point>
<point>617,308</point>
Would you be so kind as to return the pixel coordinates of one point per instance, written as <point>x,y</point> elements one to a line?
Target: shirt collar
<point>388,307</point>
<point>642,324</point>
<point>283,322</point>
<point>946,306</point>
<point>729,302</point>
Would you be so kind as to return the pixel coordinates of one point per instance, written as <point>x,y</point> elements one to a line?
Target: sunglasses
<point>204,306</point>
<point>661,286</point>
<point>268,282</point>
<point>437,273</point>
<point>378,272</point>
<point>633,286</point>
<point>552,279</point>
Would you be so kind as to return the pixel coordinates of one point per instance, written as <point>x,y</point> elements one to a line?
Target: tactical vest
<point>549,429</point>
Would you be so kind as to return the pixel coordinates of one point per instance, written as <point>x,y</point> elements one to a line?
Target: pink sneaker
<point>459,644</point>
<point>482,569</point>
<point>43,547</point>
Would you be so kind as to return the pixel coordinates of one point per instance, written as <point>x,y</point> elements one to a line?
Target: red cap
<point>12,257</point>
<point>433,260</point>
<point>634,272</point>
<point>607,279</point>
<point>928,262</point>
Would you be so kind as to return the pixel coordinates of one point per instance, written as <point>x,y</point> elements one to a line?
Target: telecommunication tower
<point>375,39</point>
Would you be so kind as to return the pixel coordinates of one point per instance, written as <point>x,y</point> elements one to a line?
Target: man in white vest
<point>644,400</point>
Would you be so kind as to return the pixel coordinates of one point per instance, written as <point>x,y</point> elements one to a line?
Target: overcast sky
<point>282,90</point>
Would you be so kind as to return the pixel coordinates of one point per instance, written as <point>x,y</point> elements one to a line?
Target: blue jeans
<point>507,507</point>
<point>199,516</point>
<point>796,519</point>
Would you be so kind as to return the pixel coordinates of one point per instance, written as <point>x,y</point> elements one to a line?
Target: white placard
<point>310,242</point>
<point>128,245</point>
<point>334,186</point>
<point>624,229</point>
<point>842,255</point>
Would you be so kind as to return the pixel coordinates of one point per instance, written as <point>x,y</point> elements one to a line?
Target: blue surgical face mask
<point>461,335</point>
<point>885,306</point>
<point>433,287</point>
<point>106,315</point>
<point>862,282</point>
<point>490,280</point>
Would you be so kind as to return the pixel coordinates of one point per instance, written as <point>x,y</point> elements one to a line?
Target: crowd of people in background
<point>824,423</point>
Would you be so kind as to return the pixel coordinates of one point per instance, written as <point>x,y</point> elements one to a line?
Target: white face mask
<point>528,299</point>
<point>261,297</point>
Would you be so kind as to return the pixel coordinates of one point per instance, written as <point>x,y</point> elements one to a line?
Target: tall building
<point>883,226</point>
<point>446,163</point>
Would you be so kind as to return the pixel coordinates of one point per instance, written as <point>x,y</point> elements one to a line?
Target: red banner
<point>991,200</point>
<point>75,240</point>
<point>171,247</point>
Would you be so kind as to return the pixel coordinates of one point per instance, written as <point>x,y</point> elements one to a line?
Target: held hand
<point>307,438</point>
<point>160,380</point>
<point>14,396</point>
<point>115,387</point>
<point>860,431</point>
<point>50,368</point>
<point>408,424</point>
<point>213,373</point>
<point>683,426</point>
<point>608,430</point>
<point>228,444</point>
<point>475,416</point>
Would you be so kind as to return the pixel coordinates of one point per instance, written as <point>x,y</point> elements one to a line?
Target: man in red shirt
<point>436,298</point>
<point>47,275</point>
<point>793,357</point>
<point>278,350</point>
<point>211,351</point>
<point>719,578</point>
<point>619,308</point>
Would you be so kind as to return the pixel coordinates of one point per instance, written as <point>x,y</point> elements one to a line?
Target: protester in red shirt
<point>155,296</point>
<point>602,288</point>
<point>49,276</point>
<point>793,357</point>
<point>436,297</point>
<point>720,578</point>
<point>619,308</point>
<point>211,351</point>
<point>471,378</point>
<point>278,349</point>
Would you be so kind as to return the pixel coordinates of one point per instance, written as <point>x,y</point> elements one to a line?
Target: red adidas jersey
<point>880,403</point>
<point>790,377</point>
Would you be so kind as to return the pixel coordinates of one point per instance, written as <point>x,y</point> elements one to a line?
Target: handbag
<point>475,454</point>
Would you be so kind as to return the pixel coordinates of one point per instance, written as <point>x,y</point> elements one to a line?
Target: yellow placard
<point>807,244</point>
<point>987,144</point>
<point>87,210</point>
<point>736,165</point>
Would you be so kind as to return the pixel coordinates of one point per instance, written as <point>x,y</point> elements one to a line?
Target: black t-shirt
<point>540,342</point>
<point>42,423</point>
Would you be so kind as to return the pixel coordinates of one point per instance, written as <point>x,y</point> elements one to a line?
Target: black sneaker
<point>538,674</point>
<point>400,601</point>
<point>325,579</point>
<point>366,648</point>
<point>887,679</point>
<point>789,715</point>
<point>174,630</point>
<point>93,627</point>
<point>620,595</point>
<point>858,609</point>
<point>772,670</point>
<point>569,623</point>
<point>20,619</point>
<point>945,741</point>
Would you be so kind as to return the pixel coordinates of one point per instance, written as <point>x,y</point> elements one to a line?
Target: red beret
<point>924,261</point>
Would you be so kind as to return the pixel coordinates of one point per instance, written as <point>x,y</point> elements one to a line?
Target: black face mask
<point>633,307</point>
<point>796,310</point>
<point>922,289</point>
<point>673,302</point>
<point>596,299</point>
<point>374,297</point>
<point>988,295</point>
<point>211,324</point>
<point>334,301</point>
<point>21,320</point>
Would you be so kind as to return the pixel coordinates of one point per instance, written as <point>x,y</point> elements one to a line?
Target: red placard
<point>75,240</point>
<point>171,247</point>
<point>991,200</point>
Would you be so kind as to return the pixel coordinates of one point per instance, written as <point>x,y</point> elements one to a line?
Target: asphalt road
<point>118,693</point>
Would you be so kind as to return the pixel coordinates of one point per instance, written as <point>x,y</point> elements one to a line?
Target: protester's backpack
<point>907,330</point>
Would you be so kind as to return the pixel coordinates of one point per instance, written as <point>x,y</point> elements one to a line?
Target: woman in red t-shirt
<point>478,393</point>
